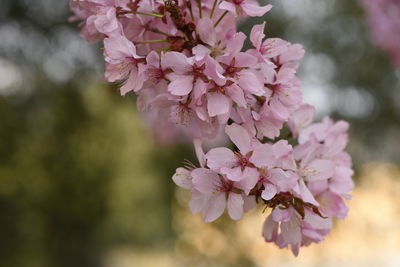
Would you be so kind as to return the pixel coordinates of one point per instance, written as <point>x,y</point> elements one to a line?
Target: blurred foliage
<point>80,176</point>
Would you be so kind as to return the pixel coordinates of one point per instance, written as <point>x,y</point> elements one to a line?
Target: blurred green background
<point>82,181</point>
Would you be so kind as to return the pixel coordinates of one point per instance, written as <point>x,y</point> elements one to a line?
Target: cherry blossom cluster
<point>384,21</point>
<point>304,185</point>
<point>186,64</point>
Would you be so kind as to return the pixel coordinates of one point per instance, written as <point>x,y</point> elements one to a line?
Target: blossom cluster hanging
<point>185,62</point>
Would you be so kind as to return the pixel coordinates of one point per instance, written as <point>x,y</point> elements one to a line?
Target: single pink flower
<point>123,63</point>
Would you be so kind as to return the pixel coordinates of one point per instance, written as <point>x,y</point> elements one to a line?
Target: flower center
<point>238,2</point>
<point>225,186</point>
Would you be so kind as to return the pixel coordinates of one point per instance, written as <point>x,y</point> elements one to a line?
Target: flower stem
<point>152,42</point>
<point>189,5</point>
<point>163,49</point>
<point>158,31</point>
<point>157,15</point>
<point>200,10</point>
<point>213,9</point>
<point>220,18</point>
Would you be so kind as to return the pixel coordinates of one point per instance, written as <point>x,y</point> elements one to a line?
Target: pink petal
<point>313,235</point>
<point>217,104</point>
<point>320,169</point>
<point>294,52</point>
<point>280,111</point>
<point>181,86</point>
<point>306,194</point>
<point>269,192</point>
<point>249,82</point>
<point>284,180</point>
<point>249,180</point>
<point>273,47</point>
<point>182,178</point>
<point>332,205</point>
<point>198,201</point>
<point>228,6</point>
<point>178,62</point>
<point>199,89</point>
<point>233,174</point>
<point>199,152</point>
<point>281,215</point>
<point>249,203</point>
<point>118,48</point>
<point>254,10</point>
<point>236,94</point>
<point>205,29</point>
<point>215,207</point>
<point>220,157</point>
<point>153,59</point>
<point>257,35</point>
<point>301,118</point>
<point>205,180</point>
<point>270,229</point>
<point>239,137</point>
<point>316,222</point>
<point>214,71</point>
<point>291,232</point>
<point>243,60</point>
<point>235,206</point>
<point>263,156</point>
<point>133,83</point>
<point>235,44</point>
<point>200,51</point>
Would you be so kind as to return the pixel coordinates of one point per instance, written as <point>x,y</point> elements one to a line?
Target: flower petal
<point>269,191</point>
<point>240,137</point>
<point>215,207</point>
<point>235,206</point>
<point>217,104</point>
<point>220,157</point>
<point>205,180</point>
<point>181,86</point>
<point>182,178</point>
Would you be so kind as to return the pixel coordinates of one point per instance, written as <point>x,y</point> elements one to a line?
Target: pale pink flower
<point>269,48</point>
<point>123,63</point>
<point>276,166</point>
<point>233,165</point>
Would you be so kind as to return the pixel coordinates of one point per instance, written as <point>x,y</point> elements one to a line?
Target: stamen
<point>189,5</point>
<point>158,31</point>
<point>213,9</point>
<point>200,9</point>
<point>220,18</point>
<point>152,14</point>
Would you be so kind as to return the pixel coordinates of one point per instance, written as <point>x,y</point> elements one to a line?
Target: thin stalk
<point>213,9</point>
<point>163,49</point>
<point>158,31</point>
<point>200,9</point>
<point>152,42</point>
<point>189,5</point>
<point>220,18</point>
<point>157,15</point>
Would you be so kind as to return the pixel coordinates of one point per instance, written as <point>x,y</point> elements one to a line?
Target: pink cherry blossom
<point>123,63</point>
<point>194,81</point>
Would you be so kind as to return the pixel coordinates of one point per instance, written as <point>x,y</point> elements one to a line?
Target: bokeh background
<point>83,182</point>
